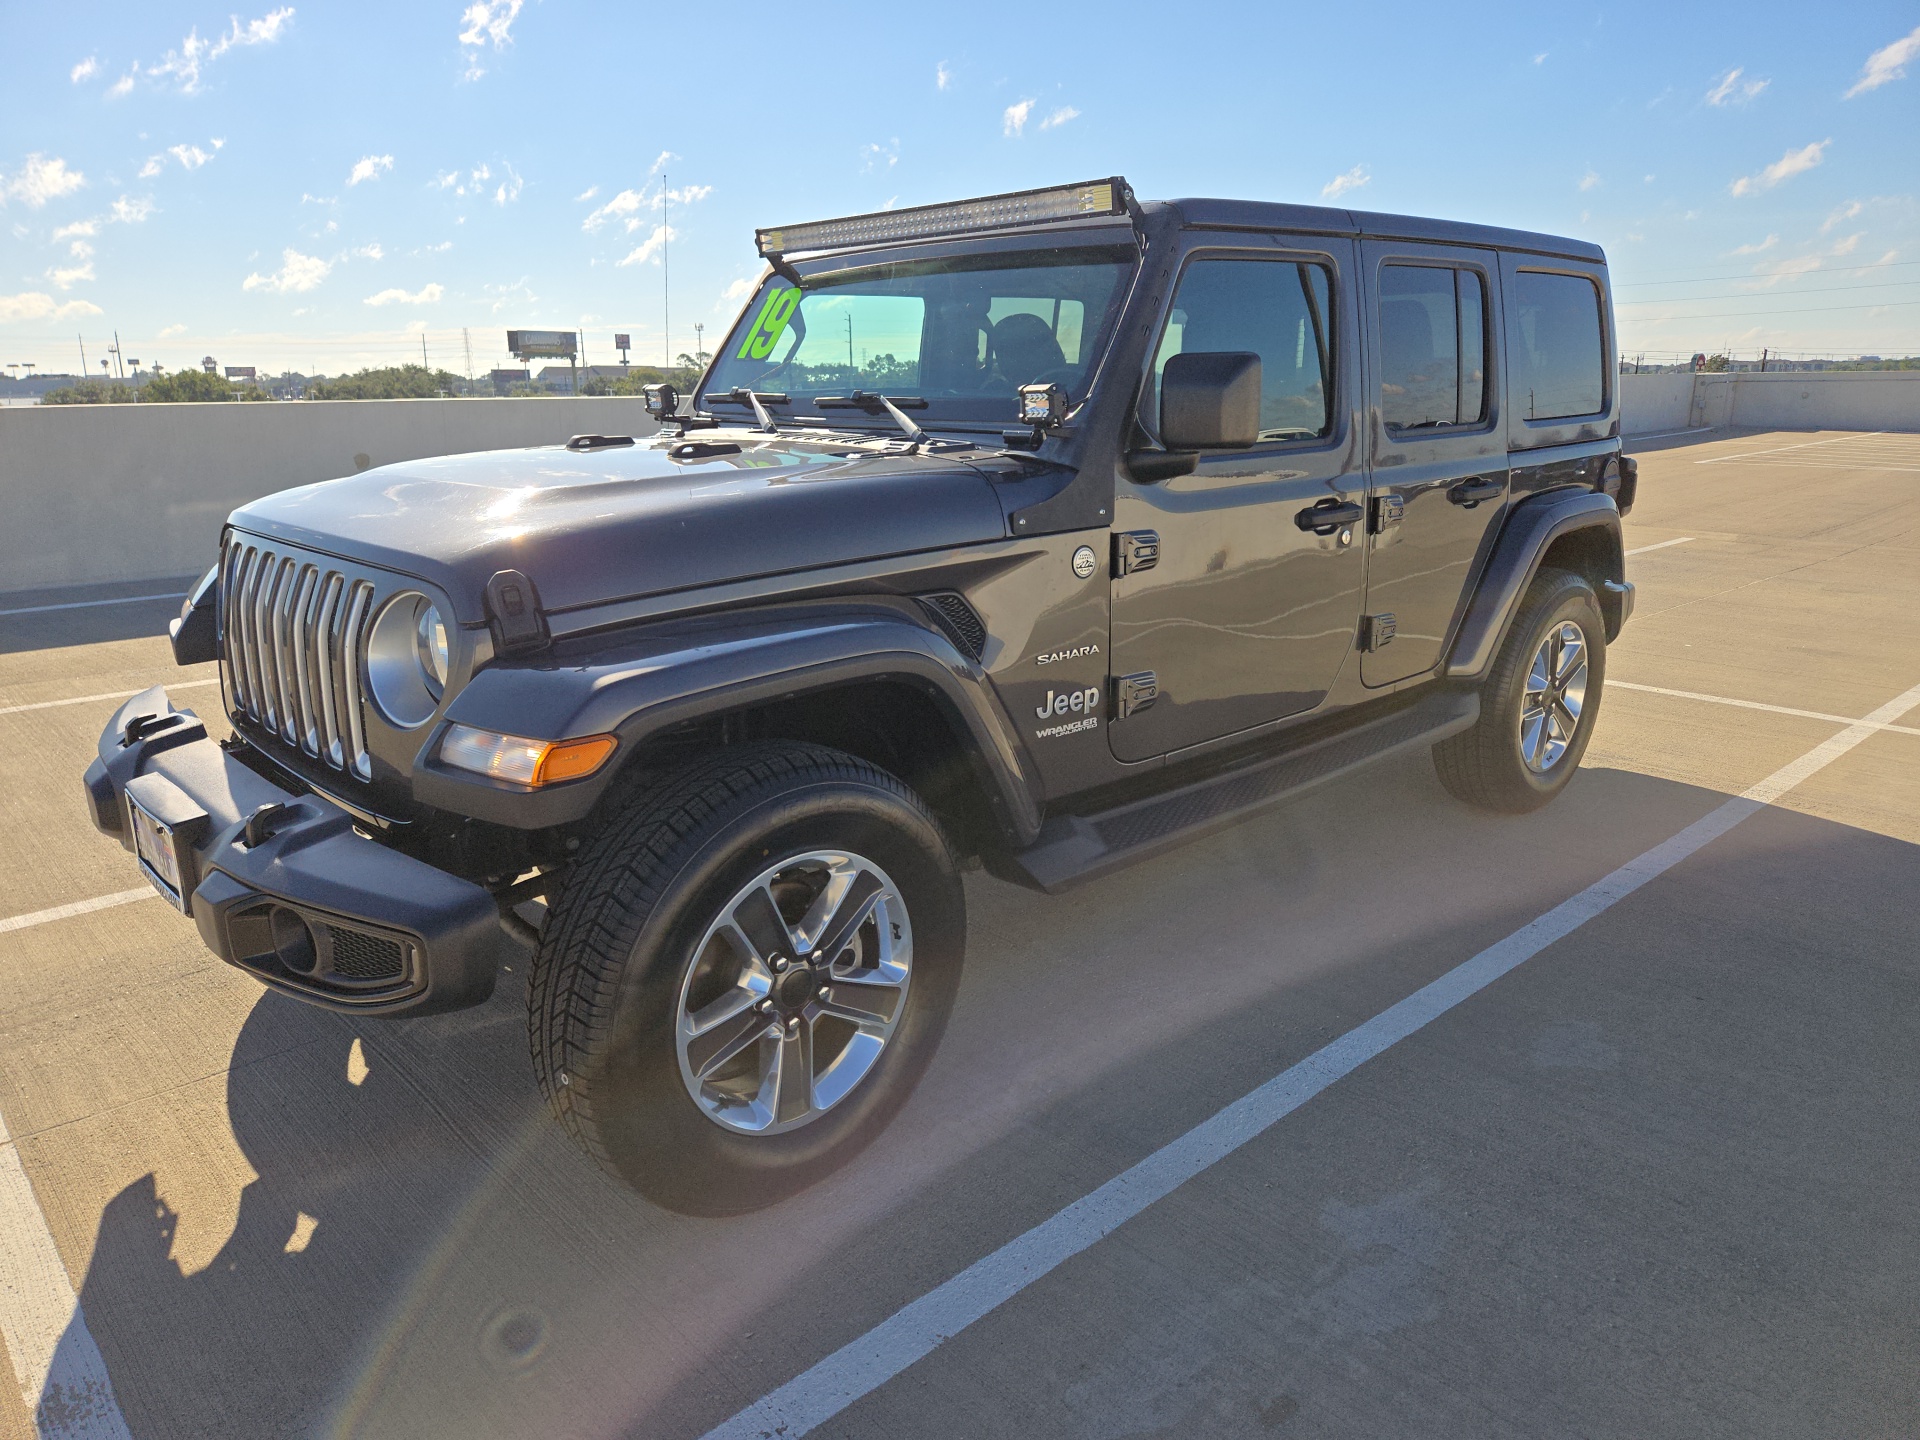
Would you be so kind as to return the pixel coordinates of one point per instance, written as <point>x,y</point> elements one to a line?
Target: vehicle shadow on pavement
<point>423,1253</point>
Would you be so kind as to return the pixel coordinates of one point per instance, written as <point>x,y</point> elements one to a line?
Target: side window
<point>1560,368</point>
<point>1433,347</point>
<point>1278,310</point>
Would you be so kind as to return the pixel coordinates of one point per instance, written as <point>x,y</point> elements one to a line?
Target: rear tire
<point>1538,703</point>
<point>650,939</point>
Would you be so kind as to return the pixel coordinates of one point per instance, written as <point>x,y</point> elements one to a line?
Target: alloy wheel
<point>1556,693</point>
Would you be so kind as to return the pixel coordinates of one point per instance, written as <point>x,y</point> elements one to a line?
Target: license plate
<point>153,842</point>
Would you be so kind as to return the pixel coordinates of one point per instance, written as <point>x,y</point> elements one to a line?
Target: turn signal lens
<point>524,762</point>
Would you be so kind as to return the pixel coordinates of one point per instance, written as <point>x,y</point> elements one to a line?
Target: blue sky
<point>306,186</point>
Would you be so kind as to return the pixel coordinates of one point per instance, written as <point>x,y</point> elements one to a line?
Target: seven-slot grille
<point>294,634</point>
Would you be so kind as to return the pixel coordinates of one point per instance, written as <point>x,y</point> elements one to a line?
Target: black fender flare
<point>1530,530</point>
<point>637,685</point>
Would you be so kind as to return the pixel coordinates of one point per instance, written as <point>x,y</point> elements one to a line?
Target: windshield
<point>959,333</point>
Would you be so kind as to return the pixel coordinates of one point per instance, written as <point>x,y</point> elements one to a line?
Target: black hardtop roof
<point>1324,220</point>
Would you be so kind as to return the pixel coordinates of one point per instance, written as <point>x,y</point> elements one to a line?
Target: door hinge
<point>1376,631</point>
<point>1387,510</point>
<point>1134,693</point>
<point>1135,550</point>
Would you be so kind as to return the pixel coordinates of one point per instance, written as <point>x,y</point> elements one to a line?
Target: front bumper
<point>313,906</point>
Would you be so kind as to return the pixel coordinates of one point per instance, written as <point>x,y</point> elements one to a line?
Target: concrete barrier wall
<point>1651,403</point>
<point>134,492</point>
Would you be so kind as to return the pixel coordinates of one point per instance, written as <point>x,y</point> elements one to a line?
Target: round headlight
<point>430,639</point>
<point>409,650</point>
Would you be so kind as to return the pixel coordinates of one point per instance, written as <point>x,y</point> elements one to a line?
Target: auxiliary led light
<point>991,212</point>
<point>532,763</point>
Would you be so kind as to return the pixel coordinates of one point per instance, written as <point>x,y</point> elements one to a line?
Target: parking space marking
<point>62,1377</point>
<point>1613,684</point>
<point>1643,549</point>
<point>1665,434</point>
<point>78,907</point>
<point>91,604</point>
<point>1783,449</point>
<point>916,1330</point>
<point>119,695</point>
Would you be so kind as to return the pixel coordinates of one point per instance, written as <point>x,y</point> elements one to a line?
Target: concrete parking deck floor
<point>1659,1180</point>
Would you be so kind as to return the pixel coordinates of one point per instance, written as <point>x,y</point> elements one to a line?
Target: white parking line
<point>1643,549</point>
<point>78,907</point>
<point>119,695</point>
<point>62,1377</point>
<point>1665,434</point>
<point>1783,449</point>
<point>863,1365</point>
<point>91,604</point>
<point>1613,684</point>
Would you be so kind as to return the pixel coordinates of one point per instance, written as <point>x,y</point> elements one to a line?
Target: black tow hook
<point>265,823</point>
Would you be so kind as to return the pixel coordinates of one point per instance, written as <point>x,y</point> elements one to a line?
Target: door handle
<point>1326,516</point>
<point>1471,492</point>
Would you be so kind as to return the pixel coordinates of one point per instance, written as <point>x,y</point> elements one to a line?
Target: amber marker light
<point>532,763</point>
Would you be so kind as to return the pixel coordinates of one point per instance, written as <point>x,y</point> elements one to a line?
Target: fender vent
<point>959,619</point>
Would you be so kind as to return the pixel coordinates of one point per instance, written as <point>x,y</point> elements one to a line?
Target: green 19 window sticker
<point>769,325</point>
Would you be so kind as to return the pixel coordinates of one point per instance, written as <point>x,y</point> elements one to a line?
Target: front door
<point>1439,451</point>
<point>1246,611</point>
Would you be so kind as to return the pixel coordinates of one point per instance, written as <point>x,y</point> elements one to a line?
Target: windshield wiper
<point>867,400</point>
<point>759,400</point>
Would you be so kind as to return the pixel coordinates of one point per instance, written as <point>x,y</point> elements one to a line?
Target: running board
<point>1073,848</point>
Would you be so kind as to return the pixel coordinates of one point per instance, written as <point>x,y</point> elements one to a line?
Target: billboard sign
<point>623,342</point>
<point>527,343</point>
<point>240,372</point>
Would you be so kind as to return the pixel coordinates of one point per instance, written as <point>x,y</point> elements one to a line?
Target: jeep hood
<point>629,521</point>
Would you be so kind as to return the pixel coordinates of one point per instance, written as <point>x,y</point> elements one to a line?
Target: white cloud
<point>1541,58</point>
<point>426,295</point>
<point>183,63</point>
<point>1779,270</point>
<point>297,274</point>
<point>41,180</point>
<point>484,23</point>
<point>884,156</point>
<point>1839,217</point>
<point>152,168</point>
<point>1590,179</point>
<point>444,245</point>
<point>80,249</point>
<point>128,211</point>
<point>191,157</point>
<point>509,190</point>
<point>1060,117</point>
<point>1341,184</point>
<point>661,161</point>
<point>1014,122</point>
<point>1730,89</point>
<point>685,195</point>
<point>735,293</point>
<point>446,180</point>
<point>369,167</point>
<point>78,227</point>
<point>171,331</point>
<point>66,279</point>
<point>942,76</point>
<point>1848,245</point>
<point>1793,163</point>
<point>649,248</point>
<point>263,31</point>
<point>1888,63</point>
<point>32,305</point>
<point>123,85</point>
<point>370,252</point>
<point>586,194</point>
<point>1766,244</point>
<point>85,70</point>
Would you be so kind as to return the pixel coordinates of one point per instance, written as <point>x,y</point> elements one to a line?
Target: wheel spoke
<point>1573,654</point>
<point>1567,718</point>
<point>715,1012</point>
<point>870,1004</point>
<point>718,1044</point>
<point>852,914</point>
<point>758,919</point>
<point>793,1076</point>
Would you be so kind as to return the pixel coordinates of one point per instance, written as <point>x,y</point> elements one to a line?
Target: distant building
<point>505,380</point>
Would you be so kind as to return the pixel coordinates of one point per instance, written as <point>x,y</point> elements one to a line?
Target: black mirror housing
<point>1210,400</point>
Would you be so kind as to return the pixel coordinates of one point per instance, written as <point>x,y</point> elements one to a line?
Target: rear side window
<point>1433,347</point>
<point>1276,309</point>
<point>1559,366</point>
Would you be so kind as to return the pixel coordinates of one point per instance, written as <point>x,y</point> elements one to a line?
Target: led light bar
<point>991,212</point>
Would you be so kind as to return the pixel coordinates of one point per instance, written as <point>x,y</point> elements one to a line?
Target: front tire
<point>746,974</point>
<point>1538,704</point>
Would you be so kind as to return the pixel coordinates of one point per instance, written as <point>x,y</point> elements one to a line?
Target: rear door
<point>1244,615</point>
<point>1438,446</point>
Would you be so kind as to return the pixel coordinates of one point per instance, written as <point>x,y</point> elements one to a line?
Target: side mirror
<point>1210,400</point>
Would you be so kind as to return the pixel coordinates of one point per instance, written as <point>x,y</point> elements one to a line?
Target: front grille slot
<point>293,631</point>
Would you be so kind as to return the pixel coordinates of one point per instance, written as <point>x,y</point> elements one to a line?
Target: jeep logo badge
<point>1084,561</point>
